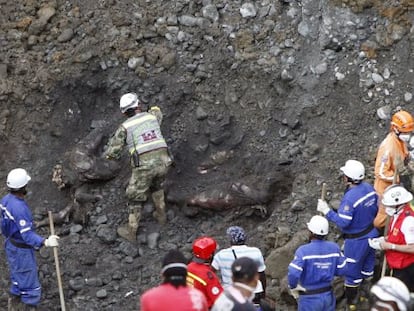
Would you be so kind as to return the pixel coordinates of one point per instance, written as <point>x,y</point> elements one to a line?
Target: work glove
<point>52,241</point>
<point>295,291</point>
<point>154,108</point>
<point>323,207</point>
<point>375,243</point>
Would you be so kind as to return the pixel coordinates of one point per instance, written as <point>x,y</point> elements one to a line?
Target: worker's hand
<point>155,108</point>
<point>295,291</point>
<point>52,241</point>
<point>375,243</point>
<point>323,207</point>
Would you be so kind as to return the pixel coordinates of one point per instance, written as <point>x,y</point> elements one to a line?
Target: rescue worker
<point>239,295</point>
<point>223,260</point>
<point>390,294</point>
<point>149,159</point>
<point>173,294</point>
<point>355,218</point>
<point>200,274</point>
<point>399,242</point>
<point>21,242</point>
<point>311,272</point>
<point>391,157</point>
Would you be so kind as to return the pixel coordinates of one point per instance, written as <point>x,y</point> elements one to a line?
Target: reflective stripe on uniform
<point>195,277</point>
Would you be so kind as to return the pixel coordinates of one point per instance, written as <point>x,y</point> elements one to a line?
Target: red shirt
<point>399,260</point>
<point>167,297</point>
<point>202,277</point>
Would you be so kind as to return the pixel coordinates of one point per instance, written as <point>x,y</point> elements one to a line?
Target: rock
<point>201,114</point>
<point>77,284</point>
<point>66,35</point>
<point>101,294</point>
<point>134,62</point>
<point>152,240</point>
<point>248,10</point>
<point>76,229</point>
<point>106,234</point>
<point>278,259</point>
<point>320,68</point>
<point>377,78</point>
<point>210,12</point>
<point>384,113</point>
<point>3,71</point>
<point>408,97</point>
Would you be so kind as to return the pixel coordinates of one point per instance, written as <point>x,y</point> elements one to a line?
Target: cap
<point>244,269</point>
<point>236,235</point>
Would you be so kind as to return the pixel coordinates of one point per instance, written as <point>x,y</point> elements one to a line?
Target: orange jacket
<point>391,155</point>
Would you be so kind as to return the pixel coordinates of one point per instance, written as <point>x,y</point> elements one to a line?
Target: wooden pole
<point>55,253</point>
<point>323,192</point>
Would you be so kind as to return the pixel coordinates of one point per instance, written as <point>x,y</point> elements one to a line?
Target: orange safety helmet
<point>204,247</point>
<point>402,121</point>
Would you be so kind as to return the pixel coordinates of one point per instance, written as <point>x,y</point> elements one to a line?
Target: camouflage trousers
<point>149,176</point>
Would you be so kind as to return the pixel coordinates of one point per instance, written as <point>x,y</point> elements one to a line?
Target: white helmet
<point>128,101</point>
<point>354,170</point>
<point>17,178</point>
<point>392,289</point>
<point>318,225</point>
<point>396,195</point>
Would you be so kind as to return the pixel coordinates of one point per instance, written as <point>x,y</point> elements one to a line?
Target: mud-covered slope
<point>275,95</point>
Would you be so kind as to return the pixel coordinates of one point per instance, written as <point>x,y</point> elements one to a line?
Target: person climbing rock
<point>149,160</point>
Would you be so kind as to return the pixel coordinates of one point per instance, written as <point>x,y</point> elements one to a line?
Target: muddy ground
<point>276,95</point>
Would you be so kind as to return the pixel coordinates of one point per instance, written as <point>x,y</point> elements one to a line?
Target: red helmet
<point>204,247</point>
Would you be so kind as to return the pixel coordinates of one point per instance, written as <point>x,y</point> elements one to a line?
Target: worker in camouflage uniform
<point>149,158</point>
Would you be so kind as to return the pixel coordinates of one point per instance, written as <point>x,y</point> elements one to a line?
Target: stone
<point>248,10</point>
<point>210,12</point>
<point>66,35</point>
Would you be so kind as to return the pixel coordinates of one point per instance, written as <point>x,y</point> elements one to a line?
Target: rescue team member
<point>311,272</point>
<point>223,260</point>
<point>239,295</point>
<point>149,159</point>
<point>399,243</point>
<point>199,272</point>
<point>173,294</point>
<point>390,294</point>
<point>355,217</point>
<point>21,241</point>
<point>392,155</point>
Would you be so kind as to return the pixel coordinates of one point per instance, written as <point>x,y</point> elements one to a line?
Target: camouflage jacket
<point>117,142</point>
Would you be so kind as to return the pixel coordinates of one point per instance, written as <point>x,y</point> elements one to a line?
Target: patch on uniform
<point>22,223</point>
<point>384,158</point>
<point>215,290</point>
<point>346,208</point>
<point>210,275</point>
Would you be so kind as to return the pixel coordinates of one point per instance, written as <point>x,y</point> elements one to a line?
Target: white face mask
<point>390,211</point>
<point>405,137</point>
<point>247,287</point>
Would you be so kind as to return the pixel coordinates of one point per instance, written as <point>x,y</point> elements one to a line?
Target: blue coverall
<point>314,267</point>
<point>17,225</point>
<point>355,216</point>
